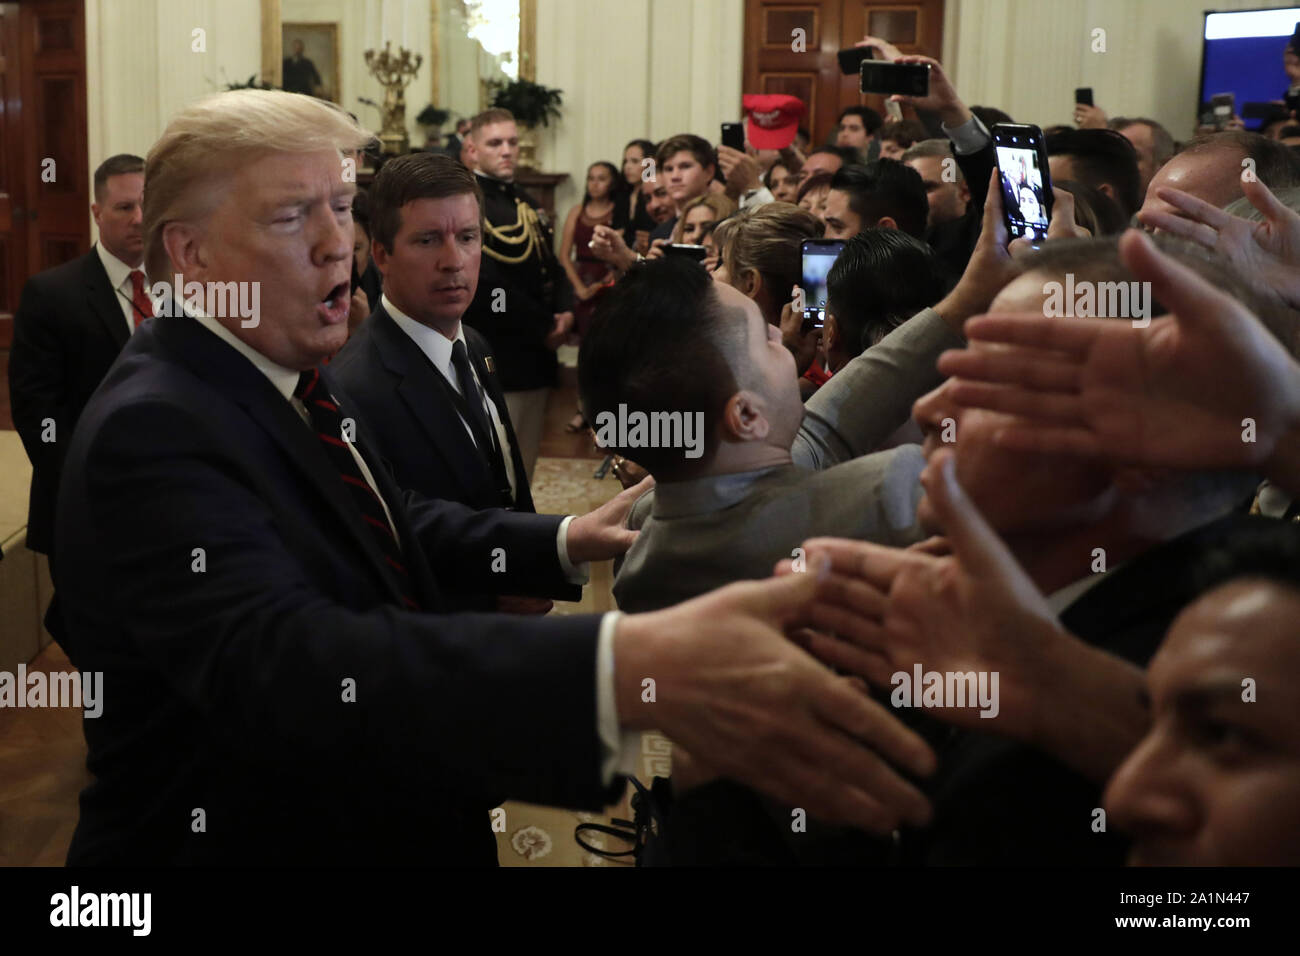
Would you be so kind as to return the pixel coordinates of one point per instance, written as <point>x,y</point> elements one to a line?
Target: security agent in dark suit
<point>428,382</point>
<point>285,688</point>
<point>71,323</point>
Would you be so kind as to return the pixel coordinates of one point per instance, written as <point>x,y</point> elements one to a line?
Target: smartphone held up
<point>885,78</point>
<point>1021,155</point>
<point>818,257</point>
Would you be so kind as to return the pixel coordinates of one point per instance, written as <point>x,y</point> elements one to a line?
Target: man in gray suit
<point>769,472</point>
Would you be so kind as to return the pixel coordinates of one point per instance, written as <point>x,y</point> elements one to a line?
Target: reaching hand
<point>803,343</point>
<point>739,169</point>
<point>1089,117</point>
<point>609,246</point>
<point>1175,394</point>
<point>888,52</point>
<point>1269,250</point>
<point>942,98</point>
<point>563,321</point>
<point>741,698</point>
<point>602,534</point>
<point>972,610</point>
<point>991,266</point>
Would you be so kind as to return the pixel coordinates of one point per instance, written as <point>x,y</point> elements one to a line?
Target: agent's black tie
<point>484,432</point>
<point>327,422</point>
<point>473,398</point>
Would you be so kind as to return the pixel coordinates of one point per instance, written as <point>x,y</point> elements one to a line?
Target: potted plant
<point>430,120</point>
<point>252,84</point>
<point>533,105</point>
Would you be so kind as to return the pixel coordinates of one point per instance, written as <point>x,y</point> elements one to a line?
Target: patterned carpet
<point>543,836</point>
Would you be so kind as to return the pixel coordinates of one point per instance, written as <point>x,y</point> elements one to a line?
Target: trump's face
<point>284,221</point>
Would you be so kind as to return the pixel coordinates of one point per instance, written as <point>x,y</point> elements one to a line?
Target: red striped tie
<point>140,303</point>
<point>327,421</point>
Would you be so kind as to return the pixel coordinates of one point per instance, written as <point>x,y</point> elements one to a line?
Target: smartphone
<point>1223,106</point>
<point>818,257</point>
<point>697,253</point>
<point>733,135</point>
<point>1084,95</point>
<point>851,59</point>
<point>909,79</point>
<point>1021,155</point>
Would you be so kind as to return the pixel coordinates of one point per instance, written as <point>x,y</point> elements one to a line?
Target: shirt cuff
<point>757,197</point>
<point>618,749</point>
<point>573,573</point>
<point>970,137</point>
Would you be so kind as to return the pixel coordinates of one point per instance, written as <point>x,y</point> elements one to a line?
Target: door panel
<point>771,66</point>
<point>44,179</point>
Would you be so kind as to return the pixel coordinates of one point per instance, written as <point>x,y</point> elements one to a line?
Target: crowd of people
<point>1049,488</point>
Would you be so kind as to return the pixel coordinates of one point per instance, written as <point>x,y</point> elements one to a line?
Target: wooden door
<point>914,26</point>
<point>44,174</point>
<point>774,65</point>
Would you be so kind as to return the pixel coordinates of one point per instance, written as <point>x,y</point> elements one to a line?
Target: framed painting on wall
<point>311,59</point>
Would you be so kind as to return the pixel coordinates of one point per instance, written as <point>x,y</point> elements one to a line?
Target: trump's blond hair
<point>207,140</point>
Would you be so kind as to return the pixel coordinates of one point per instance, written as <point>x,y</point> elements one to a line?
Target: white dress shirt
<point>119,277</point>
<point>437,348</point>
<point>1062,598</point>
<point>619,750</point>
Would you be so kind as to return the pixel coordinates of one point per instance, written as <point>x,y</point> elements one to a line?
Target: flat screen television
<point>1242,55</point>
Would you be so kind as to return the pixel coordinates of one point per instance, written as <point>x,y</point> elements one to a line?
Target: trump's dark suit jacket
<point>416,426</point>
<point>67,331</point>
<point>215,569</point>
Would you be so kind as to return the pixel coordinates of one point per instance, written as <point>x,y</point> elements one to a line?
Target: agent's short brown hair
<point>120,165</point>
<point>408,178</point>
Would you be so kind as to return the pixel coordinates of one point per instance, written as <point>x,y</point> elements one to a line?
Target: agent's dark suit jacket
<point>215,569</point>
<point>416,425</point>
<point>67,332</point>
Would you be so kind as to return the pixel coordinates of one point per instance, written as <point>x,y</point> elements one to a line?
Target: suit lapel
<point>417,382</point>
<point>237,378</point>
<point>101,299</point>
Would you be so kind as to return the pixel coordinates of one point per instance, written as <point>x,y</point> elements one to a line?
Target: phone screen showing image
<point>818,257</point>
<point>1026,183</point>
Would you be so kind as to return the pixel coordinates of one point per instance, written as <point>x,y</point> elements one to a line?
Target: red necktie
<point>140,302</point>
<point>327,420</point>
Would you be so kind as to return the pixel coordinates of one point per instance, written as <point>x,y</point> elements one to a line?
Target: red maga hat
<point>772,119</point>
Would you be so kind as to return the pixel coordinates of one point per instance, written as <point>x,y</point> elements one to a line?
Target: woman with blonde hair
<point>762,256</point>
<point>695,224</point>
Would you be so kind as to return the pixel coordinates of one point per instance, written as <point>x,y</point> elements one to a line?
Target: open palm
<point>1207,387</point>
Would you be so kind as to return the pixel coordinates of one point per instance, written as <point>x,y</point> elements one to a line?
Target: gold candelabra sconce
<point>395,73</point>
